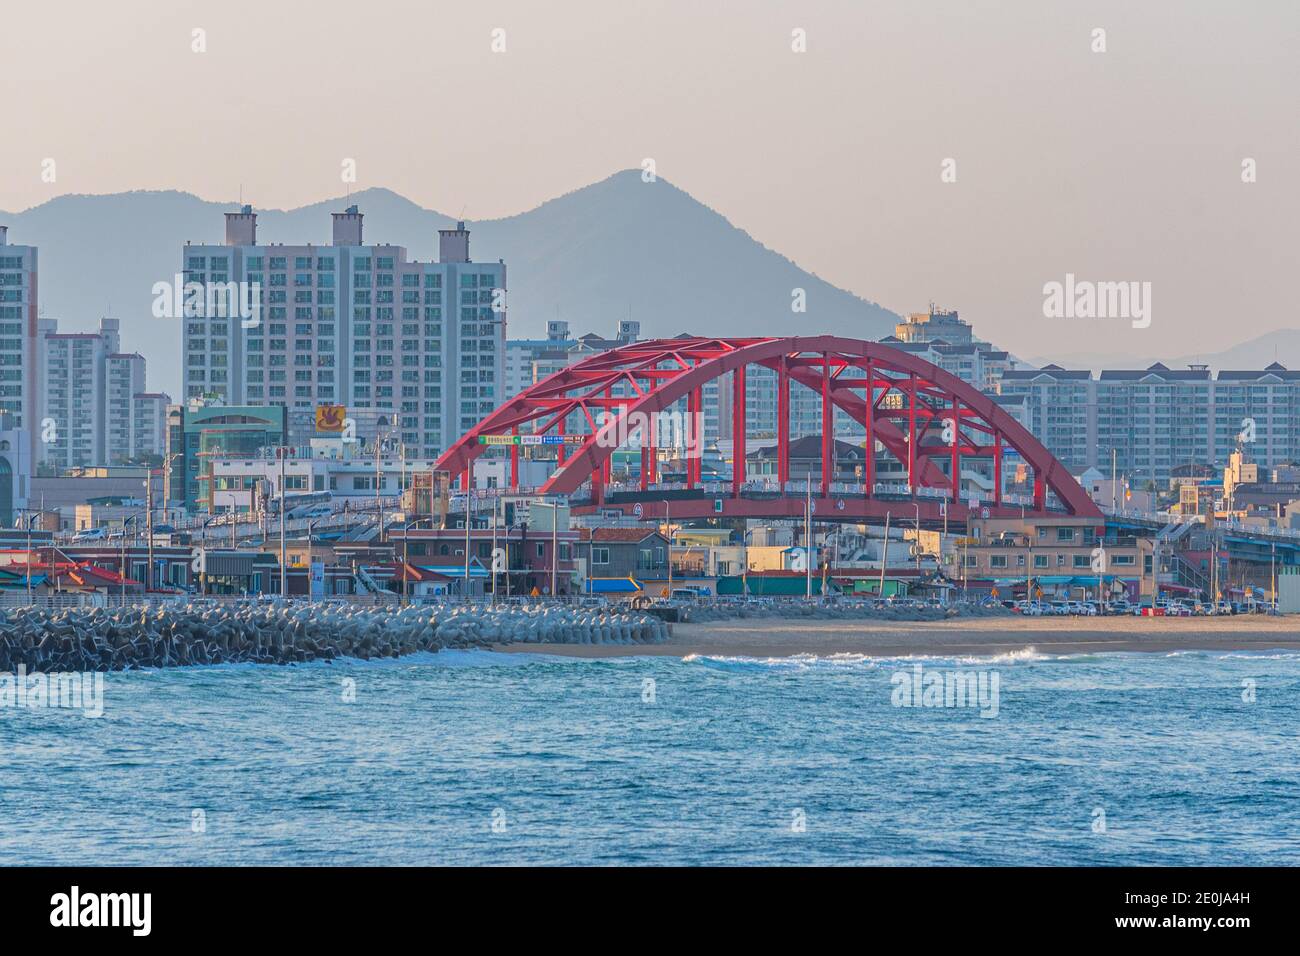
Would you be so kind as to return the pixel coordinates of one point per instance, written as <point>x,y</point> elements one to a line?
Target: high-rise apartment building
<point>18,304</point>
<point>1158,418</point>
<point>422,344</point>
<point>93,407</point>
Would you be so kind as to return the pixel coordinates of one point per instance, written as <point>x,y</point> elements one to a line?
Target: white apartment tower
<point>418,348</point>
<point>92,396</point>
<point>18,291</point>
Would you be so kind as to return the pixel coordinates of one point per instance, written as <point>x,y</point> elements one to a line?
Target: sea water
<point>475,757</point>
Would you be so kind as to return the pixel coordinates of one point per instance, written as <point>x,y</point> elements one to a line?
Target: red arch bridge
<point>931,423</point>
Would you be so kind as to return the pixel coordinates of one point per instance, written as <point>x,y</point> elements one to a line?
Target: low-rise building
<point>1060,556</point>
<point>638,553</point>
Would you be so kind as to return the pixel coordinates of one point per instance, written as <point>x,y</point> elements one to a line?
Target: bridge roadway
<point>842,502</point>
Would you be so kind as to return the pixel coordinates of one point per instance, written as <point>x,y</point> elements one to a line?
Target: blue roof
<point>612,586</point>
<point>476,570</point>
<point>19,582</point>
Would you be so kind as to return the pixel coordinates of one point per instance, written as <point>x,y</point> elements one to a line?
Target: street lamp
<point>122,566</point>
<point>380,435</point>
<point>311,529</point>
<point>32,515</point>
<point>917,506</point>
<point>406,557</point>
<point>1029,565</point>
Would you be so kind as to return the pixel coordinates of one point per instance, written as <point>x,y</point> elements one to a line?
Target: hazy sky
<point>1122,165</point>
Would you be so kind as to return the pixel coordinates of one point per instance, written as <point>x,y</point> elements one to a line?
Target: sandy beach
<point>978,636</point>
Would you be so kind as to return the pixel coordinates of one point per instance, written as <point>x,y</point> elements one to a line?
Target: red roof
<point>81,572</point>
<point>415,573</point>
<point>630,535</point>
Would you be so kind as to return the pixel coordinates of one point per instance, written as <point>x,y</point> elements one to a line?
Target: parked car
<point>91,534</point>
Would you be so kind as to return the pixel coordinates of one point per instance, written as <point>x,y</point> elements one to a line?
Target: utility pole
<point>555,549</point>
<point>496,508</point>
<point>1112,481</point>
<point>917,506</point>
<point>807,538</point>
<point>32,515</point>
<point>1272,587</point>
<point>1155,574</point>
<point>508,527</point>
<point>122,567</point>
<point>30,519</point>
<point>284,574</point>
<point>1214,567</point>
<point>468,520</point>
<point>668,527</point>
<point>1029,566</point>
<point>379,508</point>
<point>965,546</point>
<point>148,510</point>
<point>884,557</point>
<point>943,506</point>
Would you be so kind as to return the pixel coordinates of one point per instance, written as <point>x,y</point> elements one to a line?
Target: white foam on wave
<point>792,661</point>
<point>1026,655</point>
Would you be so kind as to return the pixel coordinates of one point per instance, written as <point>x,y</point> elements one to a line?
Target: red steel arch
<point>918,412</point>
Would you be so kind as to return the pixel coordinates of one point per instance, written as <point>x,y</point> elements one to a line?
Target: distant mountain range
<point>614,250</point>
<point>620,248</point>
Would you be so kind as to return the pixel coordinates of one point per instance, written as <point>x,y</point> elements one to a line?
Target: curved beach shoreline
<point>960,636</point>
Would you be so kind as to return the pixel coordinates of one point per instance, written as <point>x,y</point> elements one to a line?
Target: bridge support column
<point>911,433</point>
<point>514,461</point>
<point>997,468</point>
<point>956,453</point>
<point>561,452</point>
<point>869,422</point>
<point>650,472</point>
<point>737,431</point>
<point>783,423</point>
<point>597,486</point>
<point>828,416</point>
<point>694,438</point>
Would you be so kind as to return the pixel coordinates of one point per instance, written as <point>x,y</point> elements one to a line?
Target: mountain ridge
<point>615,249</point>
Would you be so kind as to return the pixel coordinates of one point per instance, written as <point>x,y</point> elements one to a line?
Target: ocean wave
<point>844,660</point>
